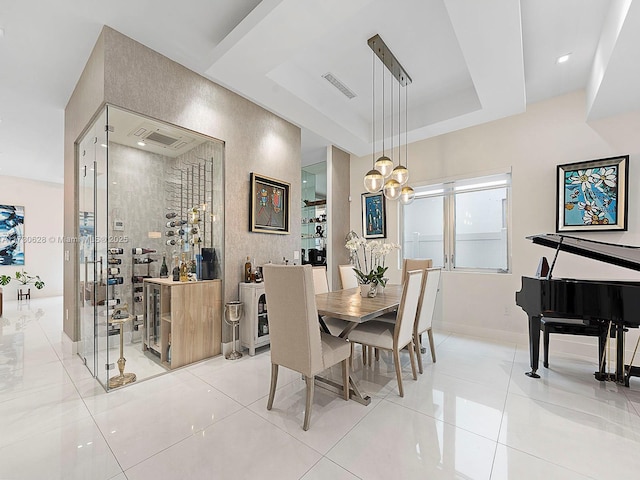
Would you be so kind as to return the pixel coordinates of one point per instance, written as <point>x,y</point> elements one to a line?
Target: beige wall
<point>141,80</point>
<point>338,188</point>
<point>43,242</point>
<point>532,145</point>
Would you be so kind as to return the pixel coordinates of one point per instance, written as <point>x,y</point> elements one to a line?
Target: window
<point>461,225</point>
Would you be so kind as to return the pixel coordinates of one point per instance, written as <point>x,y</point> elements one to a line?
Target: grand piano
<point>614,306</point>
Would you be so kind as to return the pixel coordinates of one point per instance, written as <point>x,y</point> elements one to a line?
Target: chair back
<point>427,306</point>
<point>408,308</point>
<point>347,276</point>
<point>410,264</point>
<point>293,318</point>
<point>320,282</point>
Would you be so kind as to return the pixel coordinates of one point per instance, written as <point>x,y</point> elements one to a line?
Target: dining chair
<point>426,309</point>
<point>321,285</point>
<point>296,341</point>
<point>395,337</point>
<point>347,276</point>
<point>410,264</point>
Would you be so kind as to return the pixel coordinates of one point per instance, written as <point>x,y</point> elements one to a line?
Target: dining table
<point>349,305</point>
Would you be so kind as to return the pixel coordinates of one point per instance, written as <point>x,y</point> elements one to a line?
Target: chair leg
<point>413,360</point>
<point>274,381</point>
<point>369,354</point>
<point>416,339</point>
<point>307,410</point>
<point>377,354</point>
<point>345,378</point>
<point>432,345</point>
<point>364,354</point>
<point>396,360</point>
<point>351,357</point>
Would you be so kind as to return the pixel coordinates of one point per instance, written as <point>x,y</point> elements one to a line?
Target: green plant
<point>370,266</point>
<point>24,278</point>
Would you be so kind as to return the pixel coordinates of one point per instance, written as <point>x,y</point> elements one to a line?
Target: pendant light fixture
<point>392,187</point>
<point>374,179</point>
<point>384,164</point>
<point>398,176</point>
<point>407,194</point>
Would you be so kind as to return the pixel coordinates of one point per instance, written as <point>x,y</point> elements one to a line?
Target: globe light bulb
<point>384,165</point>
<point>400,174</point>
<point>392,189</point>
<point>407,194</point>
<point>373,181</point>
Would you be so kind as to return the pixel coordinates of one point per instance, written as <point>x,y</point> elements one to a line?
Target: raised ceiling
<point>471,62</point>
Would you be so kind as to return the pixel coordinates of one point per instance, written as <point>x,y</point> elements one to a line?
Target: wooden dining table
<point>349,305</point>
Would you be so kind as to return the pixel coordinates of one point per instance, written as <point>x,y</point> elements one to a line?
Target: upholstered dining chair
<point>395,337</point>
<point>410,264</point>
<point>424,316</point>
<point>347,276</point>
<point>296,340</point>
<point>321,285</point>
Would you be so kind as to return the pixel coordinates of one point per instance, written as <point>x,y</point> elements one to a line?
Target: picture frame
<point>11,235</point>
<point>269,206</point>
<point>374,215</point>
<point>592,195</point>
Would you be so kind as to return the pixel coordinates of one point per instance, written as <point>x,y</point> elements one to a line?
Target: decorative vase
<point>368,290</point>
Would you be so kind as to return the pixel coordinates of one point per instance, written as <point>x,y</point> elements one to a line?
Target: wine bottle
<point>171,224</point>
<point>164,269</point>
<point>170,233</point>
<point>181,222</point>
<point>113,271</point>
<point>183,269</point>
<point>171,241</point>
<point>114,261</point>
<point>180,232</point>
<point>171,215</point>
<point>116,251</point>
<point>115,281</point>
<point>111,302</point>
<point>137,298</point>
<point>194,231</point>
<point>145,260</point>
<point>138,289</point>
<point>139,278</point>
<point>142,251</point>
<point>247,271</point>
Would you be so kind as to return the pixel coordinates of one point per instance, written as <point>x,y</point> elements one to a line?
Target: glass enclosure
<point>149,195</point>
<point>314,214</point>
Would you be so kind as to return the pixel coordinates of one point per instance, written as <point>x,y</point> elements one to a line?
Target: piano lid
<point>620,255</point>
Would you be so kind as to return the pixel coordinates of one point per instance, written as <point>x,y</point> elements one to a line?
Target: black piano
<point>614,306</point>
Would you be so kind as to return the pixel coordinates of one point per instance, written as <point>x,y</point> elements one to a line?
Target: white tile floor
<point>473,414</point>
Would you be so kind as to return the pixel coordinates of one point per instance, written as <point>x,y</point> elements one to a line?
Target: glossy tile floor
<point>473,414</point>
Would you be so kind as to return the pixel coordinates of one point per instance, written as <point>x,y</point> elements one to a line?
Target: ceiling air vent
<point>162,139</point>
<point>346,91</point>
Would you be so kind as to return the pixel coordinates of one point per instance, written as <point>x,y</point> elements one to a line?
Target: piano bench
<point>568,326</point>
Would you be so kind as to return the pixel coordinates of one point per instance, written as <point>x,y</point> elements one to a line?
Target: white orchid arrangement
<point>370,267</point>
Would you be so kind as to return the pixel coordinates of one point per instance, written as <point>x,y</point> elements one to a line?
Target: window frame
<point>447,189</point>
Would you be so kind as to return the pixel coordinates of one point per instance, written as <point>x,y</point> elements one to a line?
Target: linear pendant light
<point>398,176</point>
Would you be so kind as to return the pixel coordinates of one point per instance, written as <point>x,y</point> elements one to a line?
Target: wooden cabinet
<point>254,325</point>
<point>182,320</point>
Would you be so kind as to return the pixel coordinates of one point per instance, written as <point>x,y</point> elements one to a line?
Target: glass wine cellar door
<point>92,248</point>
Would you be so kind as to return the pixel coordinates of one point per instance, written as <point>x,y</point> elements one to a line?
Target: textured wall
<point>339,212</point>
<point>143,81</point>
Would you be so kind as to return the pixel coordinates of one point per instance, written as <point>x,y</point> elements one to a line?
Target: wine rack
<point>254,325</point>
<point>139,259</point>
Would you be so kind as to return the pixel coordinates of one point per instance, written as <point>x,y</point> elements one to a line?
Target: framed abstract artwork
<point>374,218</point>
<point>11,235</point>
<point>592,195</point>
<point>269,205</point>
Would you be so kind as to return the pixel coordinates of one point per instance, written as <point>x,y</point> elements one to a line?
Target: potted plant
<point>23,278</point>
<point>370,267</point>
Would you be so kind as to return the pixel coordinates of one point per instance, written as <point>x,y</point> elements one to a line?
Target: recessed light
<point>141,143</point>
<point>563,58</point>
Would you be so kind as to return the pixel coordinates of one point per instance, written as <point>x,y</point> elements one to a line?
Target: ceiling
<point>470,62</point>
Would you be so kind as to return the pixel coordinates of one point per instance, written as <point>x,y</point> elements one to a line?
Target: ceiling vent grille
<point>346,91</point>
<point>162,139</point>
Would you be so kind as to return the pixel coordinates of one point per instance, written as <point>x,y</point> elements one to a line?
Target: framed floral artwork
<point>269,205</point>
<point>374,218</point>
<point>592,195</point>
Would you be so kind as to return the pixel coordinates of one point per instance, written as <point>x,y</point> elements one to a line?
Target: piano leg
<point>534,346</point>
<point>601,374</point>
<point>620,353</point>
